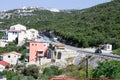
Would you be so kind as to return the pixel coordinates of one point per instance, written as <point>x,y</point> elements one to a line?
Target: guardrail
<point>108,56</point>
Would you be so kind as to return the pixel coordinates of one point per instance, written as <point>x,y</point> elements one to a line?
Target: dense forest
<point>99,24</point>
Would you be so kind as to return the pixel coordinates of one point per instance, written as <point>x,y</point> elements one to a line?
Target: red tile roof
<point>4,63</point>
<point>59,45</point>
<point>13,52</point>
<point>63,78</point>
<point>15,30</point>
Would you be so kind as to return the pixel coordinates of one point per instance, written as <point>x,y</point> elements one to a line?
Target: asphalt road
<point>101,54</point>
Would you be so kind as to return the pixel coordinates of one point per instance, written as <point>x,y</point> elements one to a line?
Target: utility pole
<point>86,67</point>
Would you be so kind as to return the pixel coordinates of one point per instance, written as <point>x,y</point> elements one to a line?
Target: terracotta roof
<point>4,63</point>
<point>63,78</point>
<point>59,45</point>
<point>13,52</point>
<point>15,30</point>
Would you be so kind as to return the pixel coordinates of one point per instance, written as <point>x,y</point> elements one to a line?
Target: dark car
<point>98,51</point>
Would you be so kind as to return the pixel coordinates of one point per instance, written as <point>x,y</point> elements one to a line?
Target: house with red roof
<point>3,64</point>
<point>10,57</point>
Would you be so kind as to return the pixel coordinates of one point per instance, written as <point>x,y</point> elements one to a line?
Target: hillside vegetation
<point>83,28</point>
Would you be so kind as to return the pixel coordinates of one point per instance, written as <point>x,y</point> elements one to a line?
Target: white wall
<point>18,27</point>
<point>2,68</point>
<point>108,47</point>
<point>31,33</point>
<point>21,36</point>
<point>2,43</point>
<point>12,59</point>
<point>12,36</point>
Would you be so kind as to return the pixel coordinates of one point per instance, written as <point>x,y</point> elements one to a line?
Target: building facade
<point>11,57</point>
<point>3,64</point>
<point>18,33</point>
<point>31,34</point>
<point>37,50</point>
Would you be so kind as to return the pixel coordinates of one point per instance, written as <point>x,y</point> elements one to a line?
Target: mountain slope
<point>89,27</point>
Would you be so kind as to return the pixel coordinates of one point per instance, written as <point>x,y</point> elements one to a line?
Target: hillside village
<point>24,11</point>
<point>20,35</point>
<point>52,44</point>
<point>42,51</point>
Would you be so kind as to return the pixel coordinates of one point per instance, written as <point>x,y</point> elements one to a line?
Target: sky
<point>59,4</point>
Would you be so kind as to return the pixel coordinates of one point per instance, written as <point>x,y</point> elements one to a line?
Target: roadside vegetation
<point>116,51</point>
<point>108,69</point>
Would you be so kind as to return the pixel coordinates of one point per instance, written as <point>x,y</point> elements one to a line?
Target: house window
<point>45,45</point>
<point>9,56</point>
<point>15,33</point>
<point>1,58</point>
<point>32,31</point>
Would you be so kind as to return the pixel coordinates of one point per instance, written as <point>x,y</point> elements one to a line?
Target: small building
<point>11,57</point>
<point>59,49</point>
<point>3,43</point>
<point>16,32</point>
<point>17,35</point>
<point>31,34</point>
<point>60,46</point>
<point>3,64</point>
<point>18,27</point>
<point>108,47</point>
<point>37,50</point>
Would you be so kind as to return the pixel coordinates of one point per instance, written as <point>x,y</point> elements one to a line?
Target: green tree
<point>51,71</point>
<point>22,77</point>
<point>31,70</point>
<point>109,69</point>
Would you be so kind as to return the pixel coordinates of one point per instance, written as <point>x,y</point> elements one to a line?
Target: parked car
<point>98,50</point>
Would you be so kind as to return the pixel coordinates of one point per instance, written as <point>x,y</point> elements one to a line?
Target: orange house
<point>37,50</point>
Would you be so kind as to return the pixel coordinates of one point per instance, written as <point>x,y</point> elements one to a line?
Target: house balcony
<point>39,55</point>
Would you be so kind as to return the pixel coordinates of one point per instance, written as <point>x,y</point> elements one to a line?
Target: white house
<point>11,57</point>
<point>14,35</point>
<point>18,27</point>
<point>108,47</point>
<point>31,34</point>
<point>3,64</point>
<point>16,31</point>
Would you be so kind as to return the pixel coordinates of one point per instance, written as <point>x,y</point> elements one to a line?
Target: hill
<point>99,24</point>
